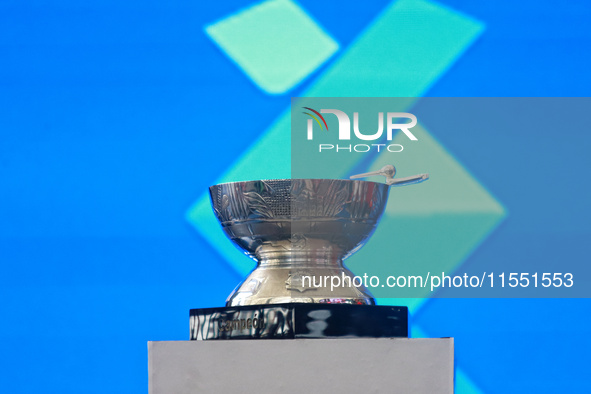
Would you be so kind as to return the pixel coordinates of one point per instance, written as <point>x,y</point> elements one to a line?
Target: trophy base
<point>299,320</point>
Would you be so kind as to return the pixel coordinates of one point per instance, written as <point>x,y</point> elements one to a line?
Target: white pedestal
<point>381,365</point>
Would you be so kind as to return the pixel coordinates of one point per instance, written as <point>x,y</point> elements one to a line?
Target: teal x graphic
<point>400,54</point>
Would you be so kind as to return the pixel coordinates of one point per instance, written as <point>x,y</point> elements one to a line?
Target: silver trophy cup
<point>299,231</point>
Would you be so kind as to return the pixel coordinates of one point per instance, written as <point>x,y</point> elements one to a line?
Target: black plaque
<point>295,320</point>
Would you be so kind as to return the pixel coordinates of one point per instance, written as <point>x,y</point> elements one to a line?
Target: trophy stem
<point>285,274</point>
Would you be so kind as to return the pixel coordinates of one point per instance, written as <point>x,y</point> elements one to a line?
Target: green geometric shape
<point>397,23</point>
<point>408,47</point>
<point>417,332</point>
<point>275,43</point>
<point>402,54</point>
<point>464,385</point>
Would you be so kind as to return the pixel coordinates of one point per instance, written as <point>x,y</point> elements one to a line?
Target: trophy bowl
<point>299,231</point>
